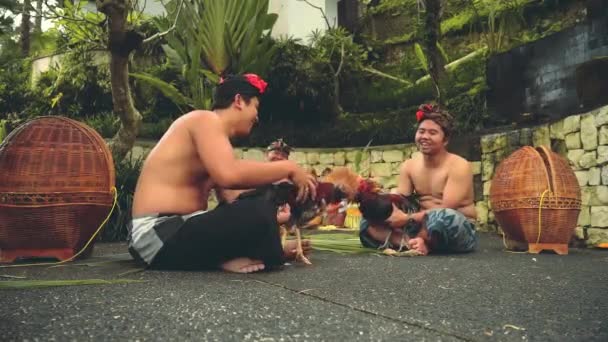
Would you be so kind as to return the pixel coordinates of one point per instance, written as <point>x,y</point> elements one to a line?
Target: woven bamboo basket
<point>536,199</point>
<point>56,181</point>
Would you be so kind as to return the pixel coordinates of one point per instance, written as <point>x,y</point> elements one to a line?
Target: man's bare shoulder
<point>410,163</point>
<point>199,116</point>
<point>198,121</point>
<point>459,164</point>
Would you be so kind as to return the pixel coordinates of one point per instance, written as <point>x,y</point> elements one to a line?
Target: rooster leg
<point>283,234</point>
<point>299,250</point>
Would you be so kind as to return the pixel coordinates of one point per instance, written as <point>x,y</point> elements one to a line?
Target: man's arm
<point>380,232</point>
<point>405,186</point>
<point>459,186</point>
<point>216,154</point>
<point>228,195</point>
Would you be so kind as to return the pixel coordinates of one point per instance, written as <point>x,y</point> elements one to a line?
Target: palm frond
<point>166,88</point>
<point>30,284</point>
<point>342,243</point>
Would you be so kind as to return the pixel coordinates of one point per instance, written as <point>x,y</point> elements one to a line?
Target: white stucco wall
<point>42,64</point>
<point>150,7</point>
<point>331,11</point>
<point>297,19</point>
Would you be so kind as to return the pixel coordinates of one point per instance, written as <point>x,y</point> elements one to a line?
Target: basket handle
<point>545,171</point>
<point>545,154</point>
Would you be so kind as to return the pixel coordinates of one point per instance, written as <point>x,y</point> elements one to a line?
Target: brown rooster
<point>301,212</point>
<point>373,204</point>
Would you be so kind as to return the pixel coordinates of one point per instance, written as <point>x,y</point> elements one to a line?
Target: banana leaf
<point>169,90</point>
<point>30,284</point>
<point>339,243</point>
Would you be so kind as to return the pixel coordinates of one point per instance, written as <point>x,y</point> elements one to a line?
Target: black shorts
<point>246,228</point>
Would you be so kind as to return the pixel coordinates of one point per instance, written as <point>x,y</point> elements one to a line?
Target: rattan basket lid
<point>53,154</point>
<point>528,173</point>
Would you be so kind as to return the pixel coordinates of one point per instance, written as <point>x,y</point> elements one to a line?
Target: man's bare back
<point>173,179</point>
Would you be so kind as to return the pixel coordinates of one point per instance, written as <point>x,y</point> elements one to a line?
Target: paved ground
<point>489,295</point>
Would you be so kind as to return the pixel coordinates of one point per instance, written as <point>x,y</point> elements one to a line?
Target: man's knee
<point>444,212</point>
<point>258,211</point>
<point>373,236</point>
<point>453,231</point>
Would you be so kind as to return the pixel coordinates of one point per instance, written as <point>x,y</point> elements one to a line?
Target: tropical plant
<point>213,38</point>
<point>336,50</point>
<point>104,123</point>
<point>3,132</point>
<point>358,162</point>
<point>6,19</point>
<point>127,172</point>
<point>300,87</point>
<point>14,83</point>
<point>422,58</point>
<point>499,20</point>
<point>80,27</point>
<point>114,28</point>
<point>78,87</point>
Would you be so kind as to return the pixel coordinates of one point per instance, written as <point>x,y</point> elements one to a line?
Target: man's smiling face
<point>430,137</point>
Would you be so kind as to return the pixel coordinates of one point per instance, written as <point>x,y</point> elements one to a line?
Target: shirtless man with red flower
<point>171,226</point>
<point>443,182</point>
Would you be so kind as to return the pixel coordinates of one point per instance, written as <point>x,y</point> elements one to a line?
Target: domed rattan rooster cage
<point>56,188</point>
<point>536,199</point>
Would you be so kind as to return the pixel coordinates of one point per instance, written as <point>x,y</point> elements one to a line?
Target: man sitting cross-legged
<point>171,226</point>
<point>443,183</point>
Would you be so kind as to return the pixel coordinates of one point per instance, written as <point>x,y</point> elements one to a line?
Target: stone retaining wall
<point>380,163</point>
<point>583,140</point>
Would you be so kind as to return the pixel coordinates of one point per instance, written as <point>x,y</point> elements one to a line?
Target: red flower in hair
<point>419,115</point>
<point>257,82</point>
<point>427,108</point>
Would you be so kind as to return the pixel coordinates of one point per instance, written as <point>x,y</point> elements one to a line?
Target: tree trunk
<point>121,45</point>
<point>25,28</point>
<point>38,22</point>
<point>337,108</point>
<point>432,34</point>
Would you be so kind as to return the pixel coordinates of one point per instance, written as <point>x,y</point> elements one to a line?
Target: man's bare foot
<point>243,265</point>
<point>290,248</point>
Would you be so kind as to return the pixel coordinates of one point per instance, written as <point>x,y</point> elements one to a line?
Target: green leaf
<point>212,38</point>
<point>31,284</point>
<point>442,51</point>
<point>173,57</point>
<point>211,76</point>
<point>421,57</point>
<point>342,243</point>
<point>2,130</point>
<point>166,88</point>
